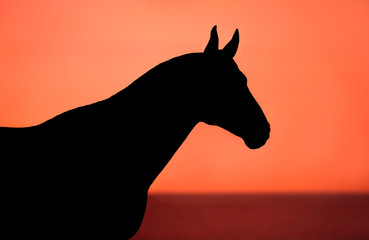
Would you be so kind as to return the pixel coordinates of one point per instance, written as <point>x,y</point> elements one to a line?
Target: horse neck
<point>162,114</point>
<point>164,92</point>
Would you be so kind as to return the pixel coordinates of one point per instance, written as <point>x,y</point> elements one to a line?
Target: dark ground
<point>256,217</point>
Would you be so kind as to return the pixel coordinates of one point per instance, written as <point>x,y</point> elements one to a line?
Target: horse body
<point>86,172</point>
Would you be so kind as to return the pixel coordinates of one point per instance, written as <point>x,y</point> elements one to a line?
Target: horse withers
<point>86,172</point>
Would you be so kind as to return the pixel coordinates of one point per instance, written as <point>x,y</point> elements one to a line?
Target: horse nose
<point>266,134</point>
<point>268,130</point>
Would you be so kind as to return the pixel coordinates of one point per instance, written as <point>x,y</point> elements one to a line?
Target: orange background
<point>306,61</point>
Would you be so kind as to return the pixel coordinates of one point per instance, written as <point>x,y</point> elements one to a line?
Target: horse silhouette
<point>86,172</point>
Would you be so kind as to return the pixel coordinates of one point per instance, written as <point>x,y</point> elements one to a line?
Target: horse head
<point>228,102</point>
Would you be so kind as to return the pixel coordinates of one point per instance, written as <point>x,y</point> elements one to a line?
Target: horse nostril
<point>268,129</point>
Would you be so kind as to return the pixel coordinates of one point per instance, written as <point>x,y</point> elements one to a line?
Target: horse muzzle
<point>255,141</point>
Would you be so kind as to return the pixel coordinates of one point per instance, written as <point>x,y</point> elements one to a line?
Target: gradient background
<point>306,61</point>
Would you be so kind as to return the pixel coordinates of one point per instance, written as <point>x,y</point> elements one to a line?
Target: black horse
<point>85,173</point>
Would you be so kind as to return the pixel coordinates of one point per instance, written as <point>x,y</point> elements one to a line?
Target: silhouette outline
<point>86,172</point>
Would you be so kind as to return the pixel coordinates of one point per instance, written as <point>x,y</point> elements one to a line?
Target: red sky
<point>306,64</point>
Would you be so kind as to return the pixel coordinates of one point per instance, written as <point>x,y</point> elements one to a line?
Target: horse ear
<point>213,43</point>
<point>231,48</point>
